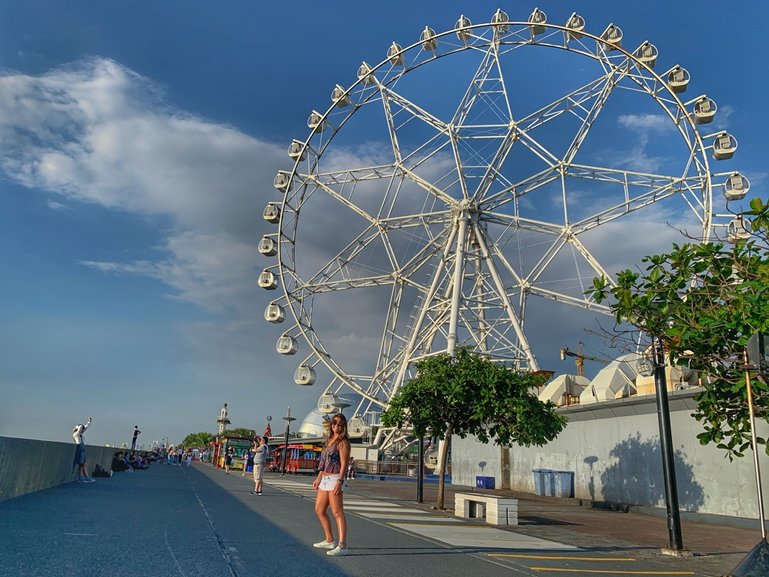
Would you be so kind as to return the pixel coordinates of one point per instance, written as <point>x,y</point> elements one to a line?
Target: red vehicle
<point>301,458</point>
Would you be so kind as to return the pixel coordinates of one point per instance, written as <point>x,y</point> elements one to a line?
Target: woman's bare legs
<point>337,509</point>
<point>321,505</point>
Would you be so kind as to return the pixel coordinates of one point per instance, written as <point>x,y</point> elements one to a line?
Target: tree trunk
<point>442,458</point>
<point>505,460</point>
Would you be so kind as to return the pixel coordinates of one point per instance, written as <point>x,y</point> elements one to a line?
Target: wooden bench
<point>495,510</point>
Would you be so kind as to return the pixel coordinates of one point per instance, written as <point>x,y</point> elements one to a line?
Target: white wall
<point>613,449</point>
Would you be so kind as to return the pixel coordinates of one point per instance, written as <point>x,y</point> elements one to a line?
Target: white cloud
<point>646,122</point>
<point>97,132</point>
<point>53,205</point>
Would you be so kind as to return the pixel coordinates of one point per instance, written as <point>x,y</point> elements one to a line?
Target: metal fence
<point>404,468</point>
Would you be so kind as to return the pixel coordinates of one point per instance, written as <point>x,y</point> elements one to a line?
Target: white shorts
<point>258,470</point>
<point>328,482</point>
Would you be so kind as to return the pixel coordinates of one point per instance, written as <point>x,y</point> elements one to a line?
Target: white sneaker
<point>337,551</point>
<point>324,545</point>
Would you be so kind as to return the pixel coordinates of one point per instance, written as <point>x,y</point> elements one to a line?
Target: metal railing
<point>404,468</point>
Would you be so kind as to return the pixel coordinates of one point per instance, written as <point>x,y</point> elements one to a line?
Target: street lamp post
<point>657,367</point>
<point>420,470</point>
<point>288,418</point>
<point>666,442</point>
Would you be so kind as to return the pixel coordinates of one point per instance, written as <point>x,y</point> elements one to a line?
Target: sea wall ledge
<point>29,465</point>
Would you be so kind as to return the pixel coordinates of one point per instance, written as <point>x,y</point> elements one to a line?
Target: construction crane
<point>580,359</point>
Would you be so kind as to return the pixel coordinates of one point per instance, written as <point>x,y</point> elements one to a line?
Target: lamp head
<point>645,367</point>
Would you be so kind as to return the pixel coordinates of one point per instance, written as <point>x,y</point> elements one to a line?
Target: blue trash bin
<point>539,481</point>
<point>549,482</point>
<point>563,483</point>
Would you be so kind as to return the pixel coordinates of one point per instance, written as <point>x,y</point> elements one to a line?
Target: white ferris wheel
<point>469,187</point>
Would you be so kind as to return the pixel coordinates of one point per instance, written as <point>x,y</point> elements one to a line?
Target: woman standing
<point>332,468</point>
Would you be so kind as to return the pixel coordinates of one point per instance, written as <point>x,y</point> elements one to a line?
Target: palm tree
<point>198,440</point>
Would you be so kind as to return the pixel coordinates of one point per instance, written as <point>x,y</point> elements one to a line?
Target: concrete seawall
<point>28,465</point>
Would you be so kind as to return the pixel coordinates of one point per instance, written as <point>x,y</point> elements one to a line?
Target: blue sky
<point>139,144</point>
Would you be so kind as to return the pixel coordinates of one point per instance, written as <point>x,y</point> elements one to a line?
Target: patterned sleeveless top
<point>329,460</point>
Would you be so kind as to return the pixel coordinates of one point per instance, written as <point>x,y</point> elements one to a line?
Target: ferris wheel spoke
<point>612,79</point>
<point>422,309</point>
<point>428,186</point>
<point>340,284</point>
<point>500,288</point>
<point>533,281</point>
<point>487,86</point>
<point>513,192</point>
<point>348,175</point>
<point>338,267</point>
<point>413,110</point>
<point>519,222</point>
<point>483,116</point>
<point>330,191</point>
<point>391,127</point>
<point>653,188</point>
<point>568,299</point>
<point>571,103</point>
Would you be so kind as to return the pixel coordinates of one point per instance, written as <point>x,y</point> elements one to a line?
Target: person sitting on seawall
<point>332,469</point>
<point>119,463</point>
<point>137,462</point>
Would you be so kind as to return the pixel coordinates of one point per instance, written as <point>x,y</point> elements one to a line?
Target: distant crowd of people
<point>123,460</point>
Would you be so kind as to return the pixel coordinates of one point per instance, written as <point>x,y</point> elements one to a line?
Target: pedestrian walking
<point>260,459</point>
<point>351,468</point>
<point>227,461</point>
<point>332,469</point>
<point>80,458</point>
<point>137,432</point>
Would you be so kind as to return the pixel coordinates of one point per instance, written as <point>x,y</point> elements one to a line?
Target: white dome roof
<point>312,425</point>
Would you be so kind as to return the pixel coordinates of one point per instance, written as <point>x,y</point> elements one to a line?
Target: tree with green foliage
<point>470,395</point>
<point>241,432</point>
<point>703,302</point>
<point>197,440</point>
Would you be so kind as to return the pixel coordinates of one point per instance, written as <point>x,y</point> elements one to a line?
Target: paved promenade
<point>197,521</point>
